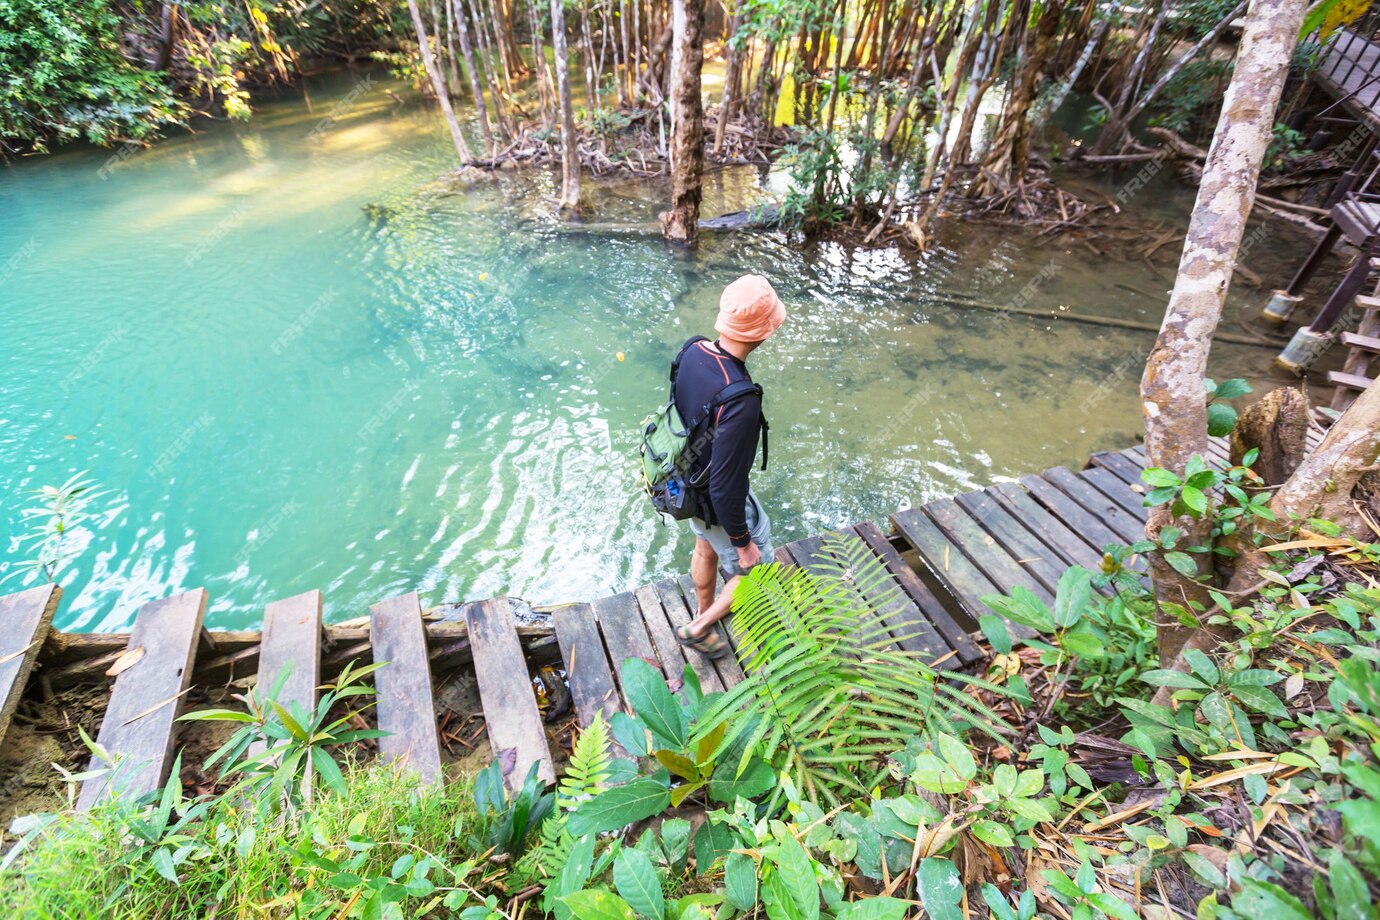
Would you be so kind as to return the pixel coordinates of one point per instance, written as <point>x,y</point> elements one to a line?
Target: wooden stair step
<point>505,690</point>
<point>931,608</point>
<point>908,629</point>
<point>290,655</point>
<point>26,617</point>
<point>405,706</point>
<point>1368,343</point>
<point>1369,301</point>
<point>1350,381</point>
<point>146,699</point>
<point>592,687</point>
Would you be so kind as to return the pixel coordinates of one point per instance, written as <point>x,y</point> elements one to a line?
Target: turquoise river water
<point>293,358</point>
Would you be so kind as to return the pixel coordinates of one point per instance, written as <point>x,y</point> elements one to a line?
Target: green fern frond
<point>591,765</point>
<point>830,692</point>
<point>549,856</point>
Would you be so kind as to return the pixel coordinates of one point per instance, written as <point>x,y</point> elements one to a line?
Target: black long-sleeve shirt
<point>730,435</point>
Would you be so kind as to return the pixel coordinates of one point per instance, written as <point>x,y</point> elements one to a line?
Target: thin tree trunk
<point>1047,111</point>
<point>480,106</point>
<point>591,84</point>
<point>168,29</point>
<point>544,89</point>
<point>1171,390</point>
<point>1009,153</point>
<point>570,151</point>
<point>1113,133</point>
<point>507,40</point>
<point>438,85</point>
<point>729,99</point>
<point>1207,41</point>
<point>681,223</point>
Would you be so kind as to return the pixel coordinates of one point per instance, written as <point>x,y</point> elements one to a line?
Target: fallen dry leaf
<point>128,659</point>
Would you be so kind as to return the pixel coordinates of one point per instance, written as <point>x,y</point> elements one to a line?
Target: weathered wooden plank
<point>1081,521</point>
<point>26,617</point>
<point>677,615</point>
<point>592,687</point>
<point>625,635</point>
<point>1036,555</point>
<point>405,706</point>
<point>147,696</point>
<point>1115,488</point>
<point>290,652</point>
<point>1068,543</point>
<point>955,571</point>
<point>907,627</point>
<point>668,650</point>
<point>984,549</point>
<point>1106,511</point>
<point>505,691</point>
<point>930,607</point>
<point>1122,466</point>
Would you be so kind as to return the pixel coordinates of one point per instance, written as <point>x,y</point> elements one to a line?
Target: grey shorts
<point>759,527</point>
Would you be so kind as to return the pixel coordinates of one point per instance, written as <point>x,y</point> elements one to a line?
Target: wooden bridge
<point>944,555</point>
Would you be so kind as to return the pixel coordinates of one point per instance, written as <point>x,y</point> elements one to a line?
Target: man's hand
<point>748,556</point>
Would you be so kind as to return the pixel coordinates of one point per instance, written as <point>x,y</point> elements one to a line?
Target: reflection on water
<point>296,359</point>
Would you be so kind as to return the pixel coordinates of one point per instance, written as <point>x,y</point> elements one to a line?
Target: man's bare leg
<point>715,612</point>
<point>704,566</point>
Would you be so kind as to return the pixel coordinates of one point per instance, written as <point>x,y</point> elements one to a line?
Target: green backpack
<point>665,443</point>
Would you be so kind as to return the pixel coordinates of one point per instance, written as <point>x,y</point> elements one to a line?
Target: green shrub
<point>62,77</point>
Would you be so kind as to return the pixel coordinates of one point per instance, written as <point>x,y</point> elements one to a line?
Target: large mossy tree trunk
<point>1172,394</point>
<point>681,222</point>
<point>570,150</point>
<point>438,84</point>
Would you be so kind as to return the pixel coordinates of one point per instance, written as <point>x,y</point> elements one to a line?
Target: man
<point>734,531</point>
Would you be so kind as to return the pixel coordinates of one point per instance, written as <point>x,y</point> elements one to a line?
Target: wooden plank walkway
<point>137,731</point>
<point>406,708</point>
<point>943,556</point>
<point>26,617</point>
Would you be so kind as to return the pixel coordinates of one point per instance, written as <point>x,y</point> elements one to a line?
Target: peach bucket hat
<point>749,310</point>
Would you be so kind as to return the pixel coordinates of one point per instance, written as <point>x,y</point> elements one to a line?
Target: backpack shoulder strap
<point>675,362</point>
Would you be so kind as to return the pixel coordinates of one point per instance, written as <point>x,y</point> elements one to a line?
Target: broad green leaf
<point>1202,665</point>
<point>620,806</point>
<point>1350,895</point>
<point>757,777</point>
<point>638,882</point>
<point>652,700</point>
<point>740,881</point>
<point>796,872</point>
<point>1159,478</point>
<point>1221,419</point>
<point>994,833</point>
<point>941,890</point>
<point>597,904</point>
<point>712,840</point>
<point>1231,389</point>
<point>1264,899</point>
<point>881,908</point>
<point>1072,596</point>
<point>1164,677</point>
<point>1182,563</point>
<point>957,756</point>
<point>1261,700</point>
<point>1195,500</point>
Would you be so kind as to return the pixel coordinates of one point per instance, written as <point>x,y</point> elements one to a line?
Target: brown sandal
<point>709,645</point>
